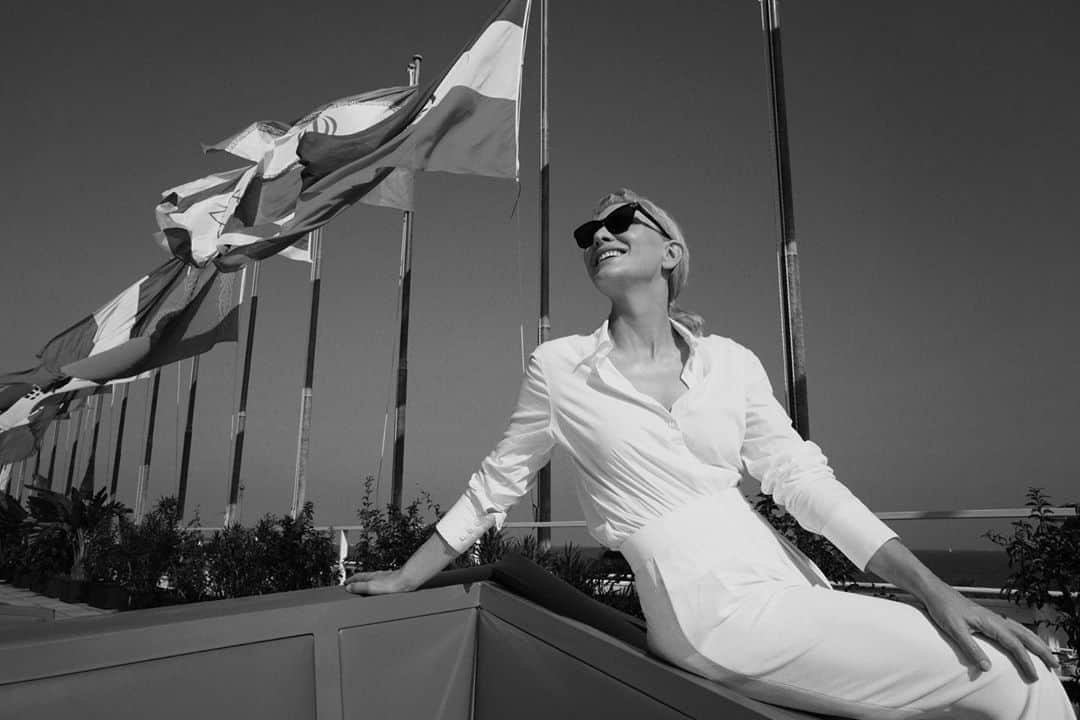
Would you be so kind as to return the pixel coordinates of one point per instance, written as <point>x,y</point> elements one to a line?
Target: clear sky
<point>933,150</point>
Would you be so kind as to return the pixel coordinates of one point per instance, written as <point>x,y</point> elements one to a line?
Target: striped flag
<point>465,121</point>
<point>176,311</point>
<point>244,205</point>
<point>23,425</point>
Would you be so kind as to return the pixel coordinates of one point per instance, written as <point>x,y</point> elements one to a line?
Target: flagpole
<point>74,450</point>
<point>543,477</point>
<point>405,284</point>
<point>787,254</point>
<point>189,424</point>
<point>142,487</point>
<point>87,485</point>
<point>52,455</point>
<point>232,509</point>
<point>33,477</point>
<point>303,440</point>
<point>119,441</point>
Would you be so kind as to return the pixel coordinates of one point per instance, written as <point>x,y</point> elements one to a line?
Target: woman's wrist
<point>894,563</point>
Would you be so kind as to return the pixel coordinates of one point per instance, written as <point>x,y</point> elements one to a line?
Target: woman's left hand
<point>958,617</point>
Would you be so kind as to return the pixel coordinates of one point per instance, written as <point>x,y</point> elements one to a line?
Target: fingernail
<point>985,665</point>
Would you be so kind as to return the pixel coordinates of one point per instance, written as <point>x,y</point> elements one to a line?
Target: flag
<point>24,424</point>
<point>198,217</point>
<point>465,121</point>
<point>174,312</point>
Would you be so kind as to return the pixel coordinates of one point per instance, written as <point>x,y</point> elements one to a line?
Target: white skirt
<point>726,597</point>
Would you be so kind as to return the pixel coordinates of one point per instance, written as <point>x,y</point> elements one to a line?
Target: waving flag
<point>465,121</point>
<point>243,205</point>
<point>175,312</point>
<point>23,425</point>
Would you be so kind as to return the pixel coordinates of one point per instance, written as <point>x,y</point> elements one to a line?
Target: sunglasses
<point>617,222</point>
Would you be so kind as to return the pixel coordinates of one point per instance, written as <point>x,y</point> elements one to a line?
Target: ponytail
<point>689,320</point>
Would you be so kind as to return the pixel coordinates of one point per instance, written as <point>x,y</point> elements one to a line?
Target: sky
<point>933,153</point>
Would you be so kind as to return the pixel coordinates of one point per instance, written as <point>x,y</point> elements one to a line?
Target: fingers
<point>1033,643</point>
<point>357,588</point>
<point>962,637</point>
<point>1016,641</point>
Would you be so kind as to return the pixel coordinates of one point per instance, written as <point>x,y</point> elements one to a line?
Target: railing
<point>341,532</point>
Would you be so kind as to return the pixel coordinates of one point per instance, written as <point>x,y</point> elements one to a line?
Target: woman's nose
<point>601,236</point>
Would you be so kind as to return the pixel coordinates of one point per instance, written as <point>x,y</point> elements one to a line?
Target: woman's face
<point>637,256</point>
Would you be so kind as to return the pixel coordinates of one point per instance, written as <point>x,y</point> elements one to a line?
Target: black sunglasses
<point>617,221</point>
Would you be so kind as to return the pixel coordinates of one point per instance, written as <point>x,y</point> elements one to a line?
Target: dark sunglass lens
<point>584,234</point>
<point>620,219</point>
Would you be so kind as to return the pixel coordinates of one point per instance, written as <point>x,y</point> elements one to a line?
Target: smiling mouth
<point>608,254</point>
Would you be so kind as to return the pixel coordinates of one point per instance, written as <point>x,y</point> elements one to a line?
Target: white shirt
<point>637,460</point>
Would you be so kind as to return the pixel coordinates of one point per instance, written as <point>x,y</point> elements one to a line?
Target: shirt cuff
<point>857,532</point>
<point>463,524</point>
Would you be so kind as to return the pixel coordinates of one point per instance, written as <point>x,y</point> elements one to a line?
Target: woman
<point>660,422</point>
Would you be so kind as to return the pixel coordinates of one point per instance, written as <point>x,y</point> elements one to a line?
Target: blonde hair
<point>677,277</point>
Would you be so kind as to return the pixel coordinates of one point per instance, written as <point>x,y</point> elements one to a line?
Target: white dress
<point>724,595</point>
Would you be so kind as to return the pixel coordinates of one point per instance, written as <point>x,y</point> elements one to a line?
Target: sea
<point>961,568</point>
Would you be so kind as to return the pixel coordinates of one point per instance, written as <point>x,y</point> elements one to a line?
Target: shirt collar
<point>603,344</point>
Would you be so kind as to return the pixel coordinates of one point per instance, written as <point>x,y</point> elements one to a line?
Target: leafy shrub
<point>234,566</point>
<point>1044,556</point>
<point>80,518</point>
<point>389,538</point>
<point>276,555</point>
<point>16,526</point>
<point>836,566</point>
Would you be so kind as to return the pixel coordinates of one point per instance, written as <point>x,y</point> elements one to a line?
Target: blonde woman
<point>660,422</point>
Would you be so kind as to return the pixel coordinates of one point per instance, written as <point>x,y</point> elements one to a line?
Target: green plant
<point>276,555</point>
<point>16,525</point>
<point>76,517</point>
<point>298,555</point>
<point>390,537</point>
<point>234,565</point>
<point>151,547</point>
<point>1044,556</point>
<point>840,571</point>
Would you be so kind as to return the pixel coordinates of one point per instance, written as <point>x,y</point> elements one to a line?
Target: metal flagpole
<point>543,477</point>
<point>303,441</point>
<point>114,482</point>
<point>142,487</point>
<point>87,485</point>
<point>232,509</point>
<point>52,454</point>
<point>405,285</point>
<point>74,450</point>
<point>185,457</point>
<point>788,252</point>
<point>37,463</point>
<point>33,477</point>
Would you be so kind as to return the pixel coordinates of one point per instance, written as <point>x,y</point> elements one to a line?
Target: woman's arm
<point>957,616</point>
<point>505,476</point>
<point>429,559</point>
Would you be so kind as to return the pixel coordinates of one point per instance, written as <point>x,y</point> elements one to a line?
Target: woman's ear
<point>673,254</point>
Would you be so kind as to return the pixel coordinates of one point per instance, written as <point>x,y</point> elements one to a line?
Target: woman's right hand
<point>378,582</point>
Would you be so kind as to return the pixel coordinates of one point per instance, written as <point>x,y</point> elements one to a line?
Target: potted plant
<point>78,518</point>
<point>15,527</point>
<point>1044,556</point>
<point>150,552</point>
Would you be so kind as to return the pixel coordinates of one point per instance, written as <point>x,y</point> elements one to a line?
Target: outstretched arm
<point>957,616</point>
<point>429,559</point>
<point>504,477</point>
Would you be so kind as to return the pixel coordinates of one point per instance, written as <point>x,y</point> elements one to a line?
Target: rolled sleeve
<point>797,475</point>
<point>509,471</point>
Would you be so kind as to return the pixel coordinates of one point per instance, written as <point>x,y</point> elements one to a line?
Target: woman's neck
<point>641,328</point>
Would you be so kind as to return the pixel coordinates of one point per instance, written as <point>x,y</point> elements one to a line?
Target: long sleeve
<point>798,477</point>
<point>509,471</point>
